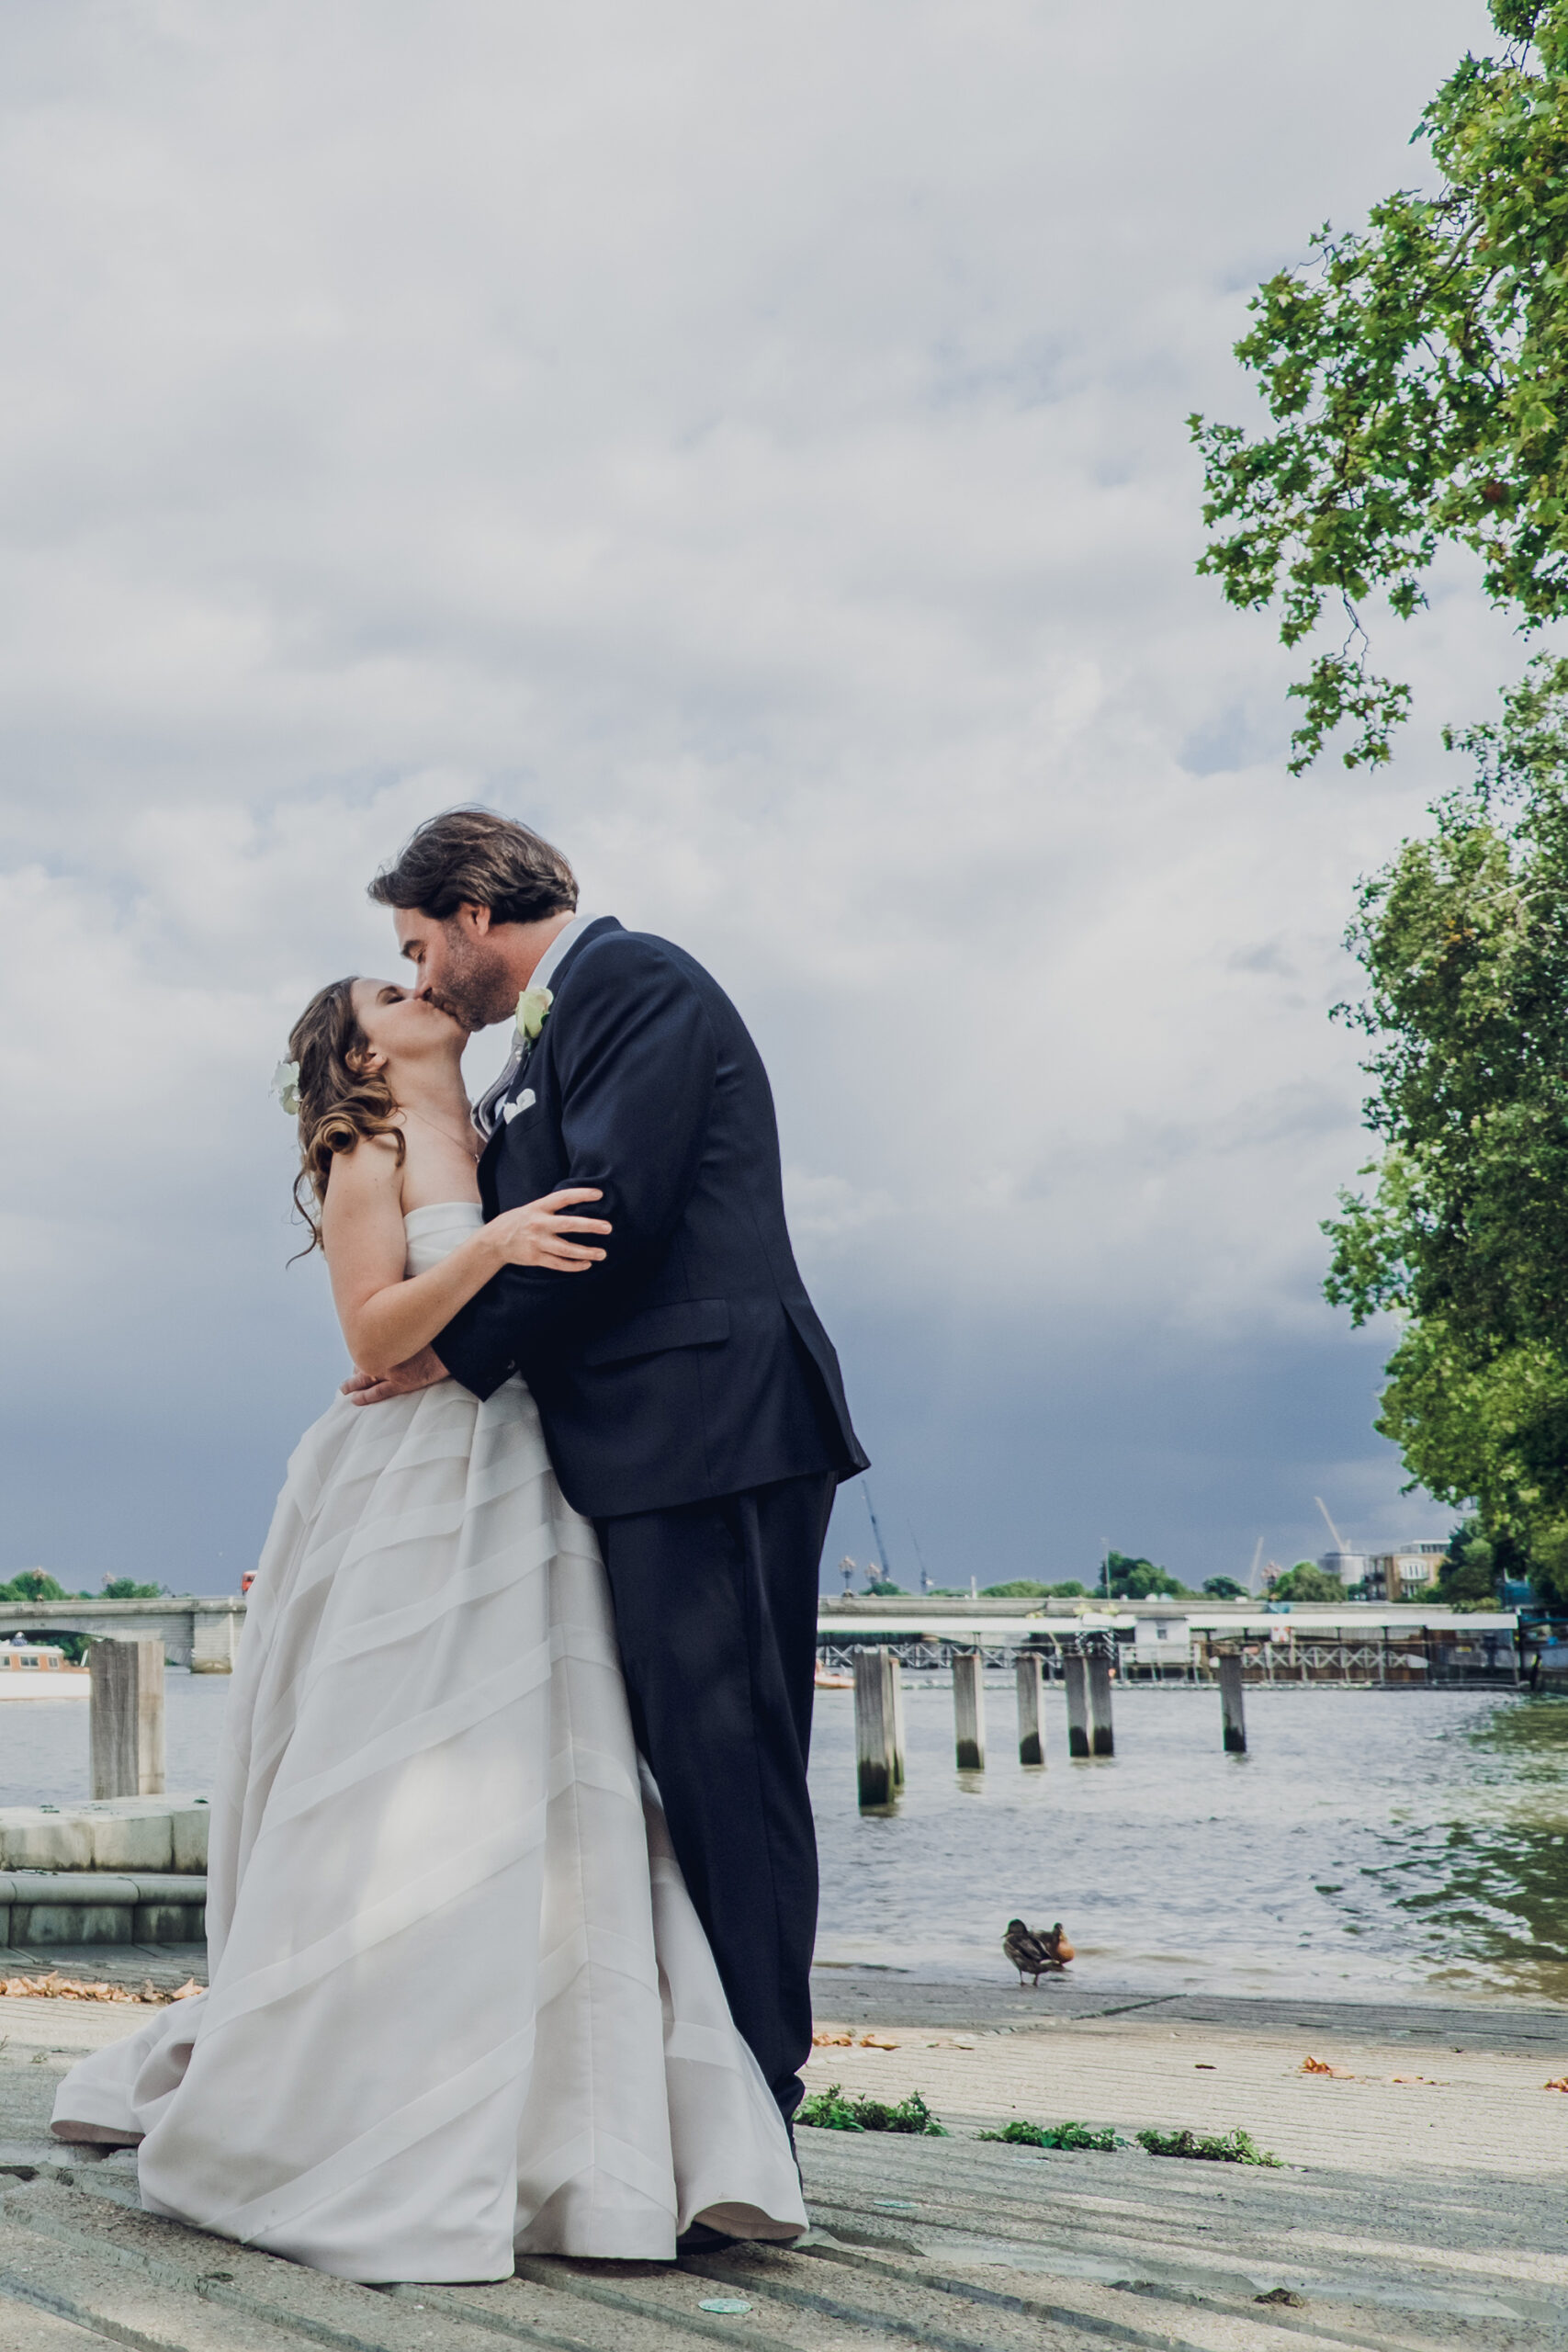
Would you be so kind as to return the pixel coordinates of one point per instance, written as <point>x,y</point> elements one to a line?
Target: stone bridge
<point>197,1632</point>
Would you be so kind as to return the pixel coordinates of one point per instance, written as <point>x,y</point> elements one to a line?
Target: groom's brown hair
<point>472,857</point>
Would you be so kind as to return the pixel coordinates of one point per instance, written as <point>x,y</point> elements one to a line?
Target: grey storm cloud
<point>749,444</point>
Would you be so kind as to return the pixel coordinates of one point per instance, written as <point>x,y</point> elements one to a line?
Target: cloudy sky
<point>748,442</point>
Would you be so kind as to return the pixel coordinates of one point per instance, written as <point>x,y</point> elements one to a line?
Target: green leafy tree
<point>1224,1588</point>
<point>127,1589</point>
<point>1142,1580</point>
<point>1021,1588</point>
<point>36,1584</point>
<point>1416,376</point>
<point>1471,1570</point>
<point>1463,1235</point>
<point>1307,1581</point>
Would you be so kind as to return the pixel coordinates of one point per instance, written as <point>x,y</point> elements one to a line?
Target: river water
<point>1370,1843</point>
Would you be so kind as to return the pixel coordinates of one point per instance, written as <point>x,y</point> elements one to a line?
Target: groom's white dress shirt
<point>549,962</point>
<point>487,1110</point>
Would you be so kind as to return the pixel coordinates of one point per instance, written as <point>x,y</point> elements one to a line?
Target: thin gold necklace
<point>409,1111</point>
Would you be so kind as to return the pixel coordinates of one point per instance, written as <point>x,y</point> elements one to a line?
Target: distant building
<point>1350,1568</point>
<point>1404,1574</point>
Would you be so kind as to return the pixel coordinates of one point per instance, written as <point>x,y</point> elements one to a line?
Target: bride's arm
<point>386,1317</point>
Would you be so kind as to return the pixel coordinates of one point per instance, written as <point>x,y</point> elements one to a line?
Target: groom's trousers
<point>716,1613</point>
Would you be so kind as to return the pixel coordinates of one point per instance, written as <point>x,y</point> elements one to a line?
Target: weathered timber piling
<point>876,1710</point>
<point>125,1708</point>
<point>1075,1677</point>
<point>969,1710</point>
<point>1233,1713</point>
<point>896,1685</point>
<point>1031,1727</point>
<point>1104,1737</point>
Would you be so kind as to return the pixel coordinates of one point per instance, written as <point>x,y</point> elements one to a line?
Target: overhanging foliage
<point>1416,374</point>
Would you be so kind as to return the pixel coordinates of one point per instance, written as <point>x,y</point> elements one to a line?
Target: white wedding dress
<point>460,2003</point>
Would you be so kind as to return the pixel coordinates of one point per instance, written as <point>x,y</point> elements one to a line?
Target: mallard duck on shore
<point>1033,1951</point>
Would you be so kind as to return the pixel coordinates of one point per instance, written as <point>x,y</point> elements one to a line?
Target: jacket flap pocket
<point>684,1323</point>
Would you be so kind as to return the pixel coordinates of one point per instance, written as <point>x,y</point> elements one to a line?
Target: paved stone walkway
<point>1410,2213</point>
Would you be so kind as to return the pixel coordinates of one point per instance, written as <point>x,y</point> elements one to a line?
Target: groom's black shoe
<point>700,2239</point>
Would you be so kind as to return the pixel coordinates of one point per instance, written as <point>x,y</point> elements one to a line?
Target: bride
<point>460,2003</point>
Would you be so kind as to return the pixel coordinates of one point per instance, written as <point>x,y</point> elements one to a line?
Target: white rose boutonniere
<point>533,1010</point>
<point>286,1086</point>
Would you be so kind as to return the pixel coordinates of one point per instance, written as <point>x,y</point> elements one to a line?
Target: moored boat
<point>39,1670</point>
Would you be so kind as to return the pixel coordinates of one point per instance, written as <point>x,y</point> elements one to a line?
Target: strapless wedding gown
<point>460,2003</point>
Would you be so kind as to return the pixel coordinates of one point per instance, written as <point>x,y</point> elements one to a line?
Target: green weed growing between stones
<point>829,2110</point>
<point>1220,2148</point>
<point>1021,2135</point>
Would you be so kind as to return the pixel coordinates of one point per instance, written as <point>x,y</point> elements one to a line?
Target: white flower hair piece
<point>286,1086</point>
<point>533,1010</point>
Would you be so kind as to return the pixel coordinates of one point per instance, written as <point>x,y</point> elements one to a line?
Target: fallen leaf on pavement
<point>54,1987</point>
<point>876,2041</point>
<point>1320,2066</point>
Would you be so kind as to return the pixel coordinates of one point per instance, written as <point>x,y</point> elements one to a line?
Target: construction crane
<point>880,1546</point>
<point>1339,1542</point>
<point>1256,1569</point>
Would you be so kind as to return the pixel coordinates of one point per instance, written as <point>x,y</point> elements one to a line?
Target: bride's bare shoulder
<point>365,1180</point>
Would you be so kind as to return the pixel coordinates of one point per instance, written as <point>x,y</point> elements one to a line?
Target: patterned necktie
<point>486,1110</point>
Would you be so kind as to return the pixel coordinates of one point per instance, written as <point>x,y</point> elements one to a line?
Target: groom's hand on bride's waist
<point>374,1388</point>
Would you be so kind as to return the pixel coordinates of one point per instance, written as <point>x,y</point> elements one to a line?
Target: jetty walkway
<point>1417,2205</point>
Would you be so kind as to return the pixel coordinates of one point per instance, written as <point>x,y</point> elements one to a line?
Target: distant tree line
<point>1471,1578</point>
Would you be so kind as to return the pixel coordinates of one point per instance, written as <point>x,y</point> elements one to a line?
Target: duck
<point>1032,1951</point>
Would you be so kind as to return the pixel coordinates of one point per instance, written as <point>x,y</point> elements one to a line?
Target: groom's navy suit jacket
<point>691,1362</point>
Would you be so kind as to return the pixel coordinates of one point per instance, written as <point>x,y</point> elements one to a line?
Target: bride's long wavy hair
<point>340,1105</point>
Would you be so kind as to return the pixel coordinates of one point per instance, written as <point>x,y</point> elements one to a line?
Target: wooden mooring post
<point>896,1685</point>
<point>1075,1680</point>
<point>969,1710</point>
<point>1030,1724</point>
<point>1104,1737</point>
<point>1233,1713</point>
<point>879,1760</point>
<point>125,1708</point>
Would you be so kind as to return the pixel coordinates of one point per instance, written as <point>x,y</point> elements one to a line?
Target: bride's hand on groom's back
<point>538,1234</point>
<point>422,1371</point>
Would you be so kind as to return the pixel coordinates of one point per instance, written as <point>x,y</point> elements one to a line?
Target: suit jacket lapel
<point>514,1077</point>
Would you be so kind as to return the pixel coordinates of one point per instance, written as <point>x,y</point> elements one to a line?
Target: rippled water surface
<point>1371,1840</point>
<point>43,1744</point>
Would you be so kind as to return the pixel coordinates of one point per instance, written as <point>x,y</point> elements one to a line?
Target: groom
<point>691,1400</point>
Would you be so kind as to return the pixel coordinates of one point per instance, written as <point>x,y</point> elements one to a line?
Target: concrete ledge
<point>132,1834</point>
<point>48,1907</point>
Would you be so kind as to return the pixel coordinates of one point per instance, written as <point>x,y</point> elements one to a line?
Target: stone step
<point>29,2328</point>
<point>1120,2239</point>
<point>73,2240</point>
<point>134,1833</point>
<point>86,2253</point>
<point>973,2260</point>
<point>80,1906</point>
<point>89,2285</point>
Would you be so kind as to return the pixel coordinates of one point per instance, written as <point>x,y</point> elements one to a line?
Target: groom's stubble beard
<point>477,986</point>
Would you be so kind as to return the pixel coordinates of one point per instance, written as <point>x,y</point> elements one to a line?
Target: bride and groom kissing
<point>513,1882</point>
